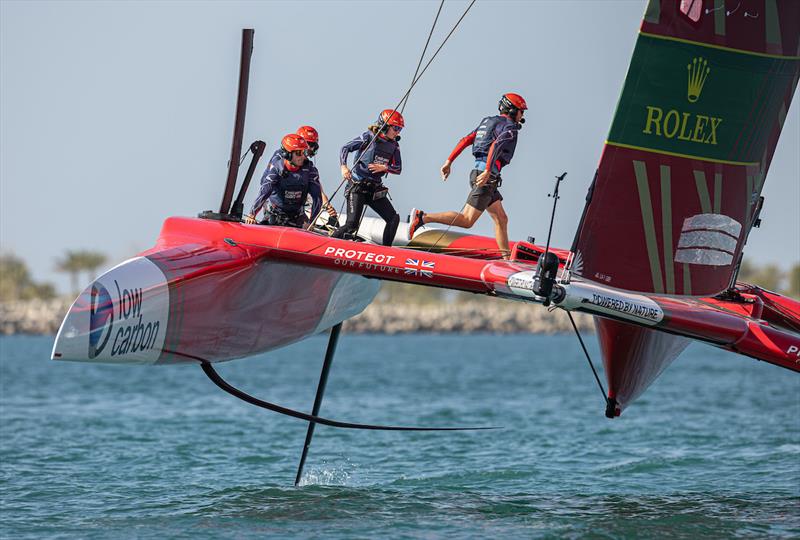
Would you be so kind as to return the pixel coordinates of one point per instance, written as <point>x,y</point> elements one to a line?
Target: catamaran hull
<point>203,304</point>
<point>215,291</point>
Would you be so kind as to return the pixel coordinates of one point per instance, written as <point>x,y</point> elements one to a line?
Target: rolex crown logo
<point>698,72</point>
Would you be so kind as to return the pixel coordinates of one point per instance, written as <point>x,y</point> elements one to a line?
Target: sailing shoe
<point>415,223</point>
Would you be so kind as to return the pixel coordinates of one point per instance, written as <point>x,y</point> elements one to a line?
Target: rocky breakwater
<point>489,315</point>
<point>33,316</point>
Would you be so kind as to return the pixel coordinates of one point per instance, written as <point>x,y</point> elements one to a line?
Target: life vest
<point>486,134</point>
<point>381,151</point>
<point>292,190</point>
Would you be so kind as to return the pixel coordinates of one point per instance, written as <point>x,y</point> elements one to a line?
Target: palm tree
<point>16,282</point>
<point>71,264</point>
<point>91,261</point>
<point>14,277</point>
<point>78,261</point>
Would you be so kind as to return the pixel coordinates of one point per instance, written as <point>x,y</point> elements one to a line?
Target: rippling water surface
<point>713,448</point>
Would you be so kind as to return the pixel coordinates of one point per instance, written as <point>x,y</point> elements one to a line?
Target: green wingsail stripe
<point>676,154</point>
<point>702,191</point>
<point>648,222</point>
<point>687,280</point>
<point>721,48</point>
<point>782,115</point>
<point>653,12</point>
<point>763,120</point>
<point>738,143</point>
<point>772,22</point>
<point>719,17</point>
<point>666,226</point>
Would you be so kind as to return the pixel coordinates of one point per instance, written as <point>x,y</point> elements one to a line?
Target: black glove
<point>333,221</point>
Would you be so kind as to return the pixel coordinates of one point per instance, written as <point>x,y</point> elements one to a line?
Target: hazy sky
<point>116,115</point>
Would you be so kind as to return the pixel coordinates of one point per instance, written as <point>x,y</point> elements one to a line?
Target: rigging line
<point>588,358</point>
<point>444,232</point>
<point>408,92</point>
<point>212,374</point>
<point>422,56</point>
<point>241,159</point>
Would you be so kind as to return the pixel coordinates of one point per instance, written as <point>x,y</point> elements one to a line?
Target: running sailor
<point>493,143</point>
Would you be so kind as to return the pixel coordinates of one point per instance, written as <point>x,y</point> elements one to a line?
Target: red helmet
<point>390,117</point>
<point>312,138</point>
<point>293,142</point>
<point>511,102</point>
<point>309,134</point>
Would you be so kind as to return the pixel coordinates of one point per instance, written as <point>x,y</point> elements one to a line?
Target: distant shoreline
<point>492,316</point>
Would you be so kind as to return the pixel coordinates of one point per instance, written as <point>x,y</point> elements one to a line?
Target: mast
<point>238,128</point>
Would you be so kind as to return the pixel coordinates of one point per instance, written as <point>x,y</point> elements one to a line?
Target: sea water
<point>96,451</point>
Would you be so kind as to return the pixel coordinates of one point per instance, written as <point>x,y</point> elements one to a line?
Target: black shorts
<point>482,197</point>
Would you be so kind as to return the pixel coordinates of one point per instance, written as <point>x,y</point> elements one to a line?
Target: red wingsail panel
<point>690,145</point>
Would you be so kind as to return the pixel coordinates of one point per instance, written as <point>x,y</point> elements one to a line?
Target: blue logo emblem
<point>101,319</point>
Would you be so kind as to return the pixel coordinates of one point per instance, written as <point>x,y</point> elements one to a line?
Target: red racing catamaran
<point>680,180</point>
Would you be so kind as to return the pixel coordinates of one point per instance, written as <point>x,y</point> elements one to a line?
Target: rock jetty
<point>33,316</point>
<point>488,315</point>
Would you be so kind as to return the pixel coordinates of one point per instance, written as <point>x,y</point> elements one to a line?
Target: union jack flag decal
<point>415,267</point>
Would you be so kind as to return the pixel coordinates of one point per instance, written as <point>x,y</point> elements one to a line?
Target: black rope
<point>424,49</point>
<point>588,358</point>
<point>405,96</point>
<point>212,374</point>
<point>444,232</point>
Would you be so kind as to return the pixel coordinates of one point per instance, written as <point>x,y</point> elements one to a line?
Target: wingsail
<point>679,181</point>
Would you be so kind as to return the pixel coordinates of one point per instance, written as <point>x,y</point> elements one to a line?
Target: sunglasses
<point>397,129</point>
<point>298,153</point>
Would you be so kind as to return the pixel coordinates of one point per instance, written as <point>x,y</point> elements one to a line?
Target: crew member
<point>312,138</point>
<point>493,143</point>
<point>286,185</point>
<point>377,154</point>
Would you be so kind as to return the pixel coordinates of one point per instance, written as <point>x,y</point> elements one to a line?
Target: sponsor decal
<point>708,239</point>
<point>419,267</point>
<point>521,284</point>
<point>101,319</point>
<point>293,196</point>
<point>698,73</point>
<point>685,126</point>
<point>521,280</point>
<point>363,260</point>
<point>134,332</point>
<point>598,299</point>
<point>627,306</point>
<point>577,264</point>
<point>602,277</point>
<point>126,319</point>
<point>794,350</point>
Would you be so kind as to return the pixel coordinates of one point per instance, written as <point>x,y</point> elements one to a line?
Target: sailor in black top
<point>365,180</point>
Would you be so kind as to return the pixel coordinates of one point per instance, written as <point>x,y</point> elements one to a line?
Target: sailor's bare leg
<point>464,219</point>
<point>500,218</point>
